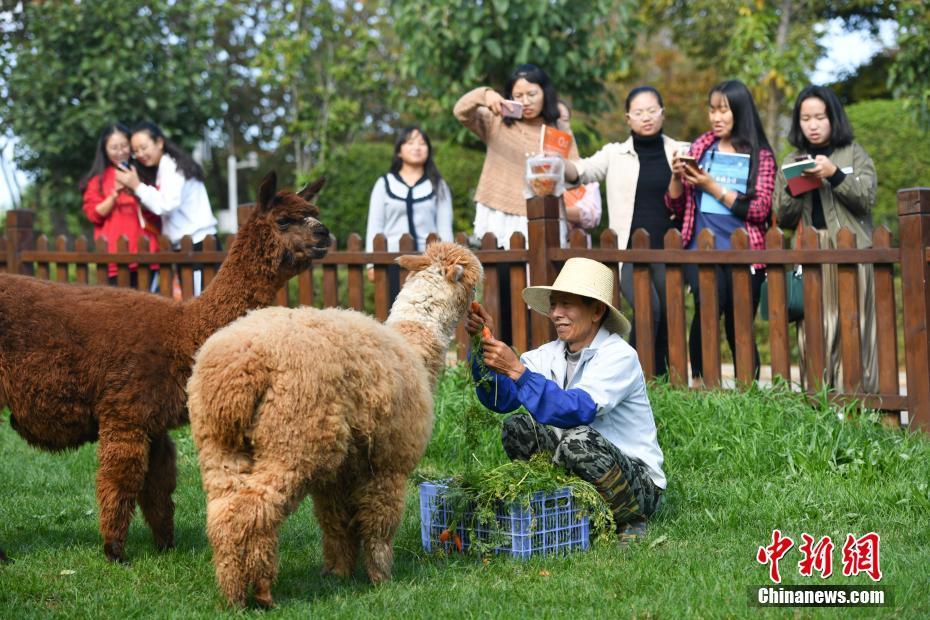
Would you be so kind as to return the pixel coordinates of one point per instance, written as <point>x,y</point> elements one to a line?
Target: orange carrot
<point>444,536</point>
<point>458,543</point>
<point>475,306</point>
<point>486,332</point>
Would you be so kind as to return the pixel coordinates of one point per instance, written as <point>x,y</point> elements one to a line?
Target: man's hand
<point>477,318</point>
<point>501,358</point>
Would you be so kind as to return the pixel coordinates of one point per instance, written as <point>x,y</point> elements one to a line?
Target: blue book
<point>729,170</point>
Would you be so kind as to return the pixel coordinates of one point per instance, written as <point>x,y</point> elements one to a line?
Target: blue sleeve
<point>499,393</point>
<point>550,404</point>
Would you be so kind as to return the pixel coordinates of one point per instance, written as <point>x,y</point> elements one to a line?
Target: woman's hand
<point>477,318</point>
<point>824,168</point>
<point>493,101</point>
<point>697,176</point>
<point>128,178</point>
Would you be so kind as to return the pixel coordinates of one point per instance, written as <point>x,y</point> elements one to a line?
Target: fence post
<point>243,213</point>
<point>20,236</point>
<point>914,231</point>
<point>542,214</point>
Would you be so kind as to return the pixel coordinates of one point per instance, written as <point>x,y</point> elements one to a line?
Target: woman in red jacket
<point>113,209</point>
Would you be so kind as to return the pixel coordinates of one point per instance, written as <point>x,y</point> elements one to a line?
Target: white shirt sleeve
<point>594,168</point>
<point>444,212</point>
<point>167,196</point>
<point>375,214</point>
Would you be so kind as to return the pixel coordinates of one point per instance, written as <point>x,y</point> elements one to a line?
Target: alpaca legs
<point>155,498</point>
<point>124,458</point>
<point>335,515</point>
<point>242,526</point>
<point>380,508</point>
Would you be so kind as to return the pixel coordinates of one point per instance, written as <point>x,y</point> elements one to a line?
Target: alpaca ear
<point>413,262</point>
<point>310,191</point>
<point>454,273</point>
<point>266,190</point>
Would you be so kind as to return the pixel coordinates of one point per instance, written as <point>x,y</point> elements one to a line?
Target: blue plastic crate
<point>552,524</point>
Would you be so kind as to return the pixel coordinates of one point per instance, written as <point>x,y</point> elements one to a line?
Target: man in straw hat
<point>585,393</point>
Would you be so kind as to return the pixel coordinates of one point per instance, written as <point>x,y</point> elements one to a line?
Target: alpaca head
<point>285,228</point>
<point>441,283</point>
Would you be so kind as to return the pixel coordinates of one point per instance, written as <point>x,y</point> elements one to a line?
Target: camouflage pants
<point>623,482</point>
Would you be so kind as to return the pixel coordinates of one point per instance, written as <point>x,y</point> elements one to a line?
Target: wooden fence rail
<point>341,279</point>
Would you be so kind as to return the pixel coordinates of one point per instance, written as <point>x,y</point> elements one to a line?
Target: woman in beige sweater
<point>501,207</point>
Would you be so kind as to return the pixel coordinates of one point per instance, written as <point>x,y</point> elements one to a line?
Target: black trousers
<point>725,305</point>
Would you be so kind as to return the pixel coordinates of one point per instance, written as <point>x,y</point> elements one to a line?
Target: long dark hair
<point>186,164</point>
<point>535,75</point>
<point>101,159</point>
<point>841,132</point>
<point>429,166</point>
<point>748,134</point>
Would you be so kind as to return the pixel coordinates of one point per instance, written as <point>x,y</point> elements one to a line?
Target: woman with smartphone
<point>512,125</point>
<point>112,207</point>
<point>724,183</point>
<point>637,172</point>
<point>843,197</point>
<point>411,198</point>
<point>178,193</point>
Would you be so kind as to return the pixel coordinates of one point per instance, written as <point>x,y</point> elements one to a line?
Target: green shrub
<point>890,134</point>
<point>350,177</point>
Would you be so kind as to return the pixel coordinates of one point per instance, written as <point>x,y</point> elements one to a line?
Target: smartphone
<point>689,161</point>
<point>122,165</point>
<point>515,111</point>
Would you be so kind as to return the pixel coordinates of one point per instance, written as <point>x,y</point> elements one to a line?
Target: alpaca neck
<point>422,338</point>
<point>426,316</point>
<point>246,280</point>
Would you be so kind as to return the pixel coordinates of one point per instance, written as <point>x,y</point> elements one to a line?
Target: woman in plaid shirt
<point>696,196</point>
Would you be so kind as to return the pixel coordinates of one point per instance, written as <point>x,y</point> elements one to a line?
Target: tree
<point>910,73</point>
<point>70,68</point>
<point>453,46</point>
<point>327,59</point>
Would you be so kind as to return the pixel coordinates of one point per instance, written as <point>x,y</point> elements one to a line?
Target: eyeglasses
<point>527,96</point>
<point>647,113</point>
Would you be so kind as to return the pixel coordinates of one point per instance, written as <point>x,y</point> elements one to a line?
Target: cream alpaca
<point>290,402</point>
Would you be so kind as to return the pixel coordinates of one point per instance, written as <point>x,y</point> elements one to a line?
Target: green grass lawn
<point>739,465</point>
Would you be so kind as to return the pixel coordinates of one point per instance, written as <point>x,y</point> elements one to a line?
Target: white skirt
<point>502,225</point>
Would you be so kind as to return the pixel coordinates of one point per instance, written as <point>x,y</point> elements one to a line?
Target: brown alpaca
<point>327,402</point>
<point>82,363</point>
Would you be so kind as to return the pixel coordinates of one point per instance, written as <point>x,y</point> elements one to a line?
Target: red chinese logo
<point>860,555</point>
<point>773,553</point>
<point>817,557</point>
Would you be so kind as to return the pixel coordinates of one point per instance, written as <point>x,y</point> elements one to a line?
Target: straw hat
<point>585,277</point>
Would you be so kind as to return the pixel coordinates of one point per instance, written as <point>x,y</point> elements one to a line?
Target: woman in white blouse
<point>411,198</point>
<point>178,193</point>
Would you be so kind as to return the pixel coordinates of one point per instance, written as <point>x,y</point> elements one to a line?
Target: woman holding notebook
<point>724,183</point>
<point>836,190</point>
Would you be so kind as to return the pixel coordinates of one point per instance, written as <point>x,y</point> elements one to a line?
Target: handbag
<point>794,293</point>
